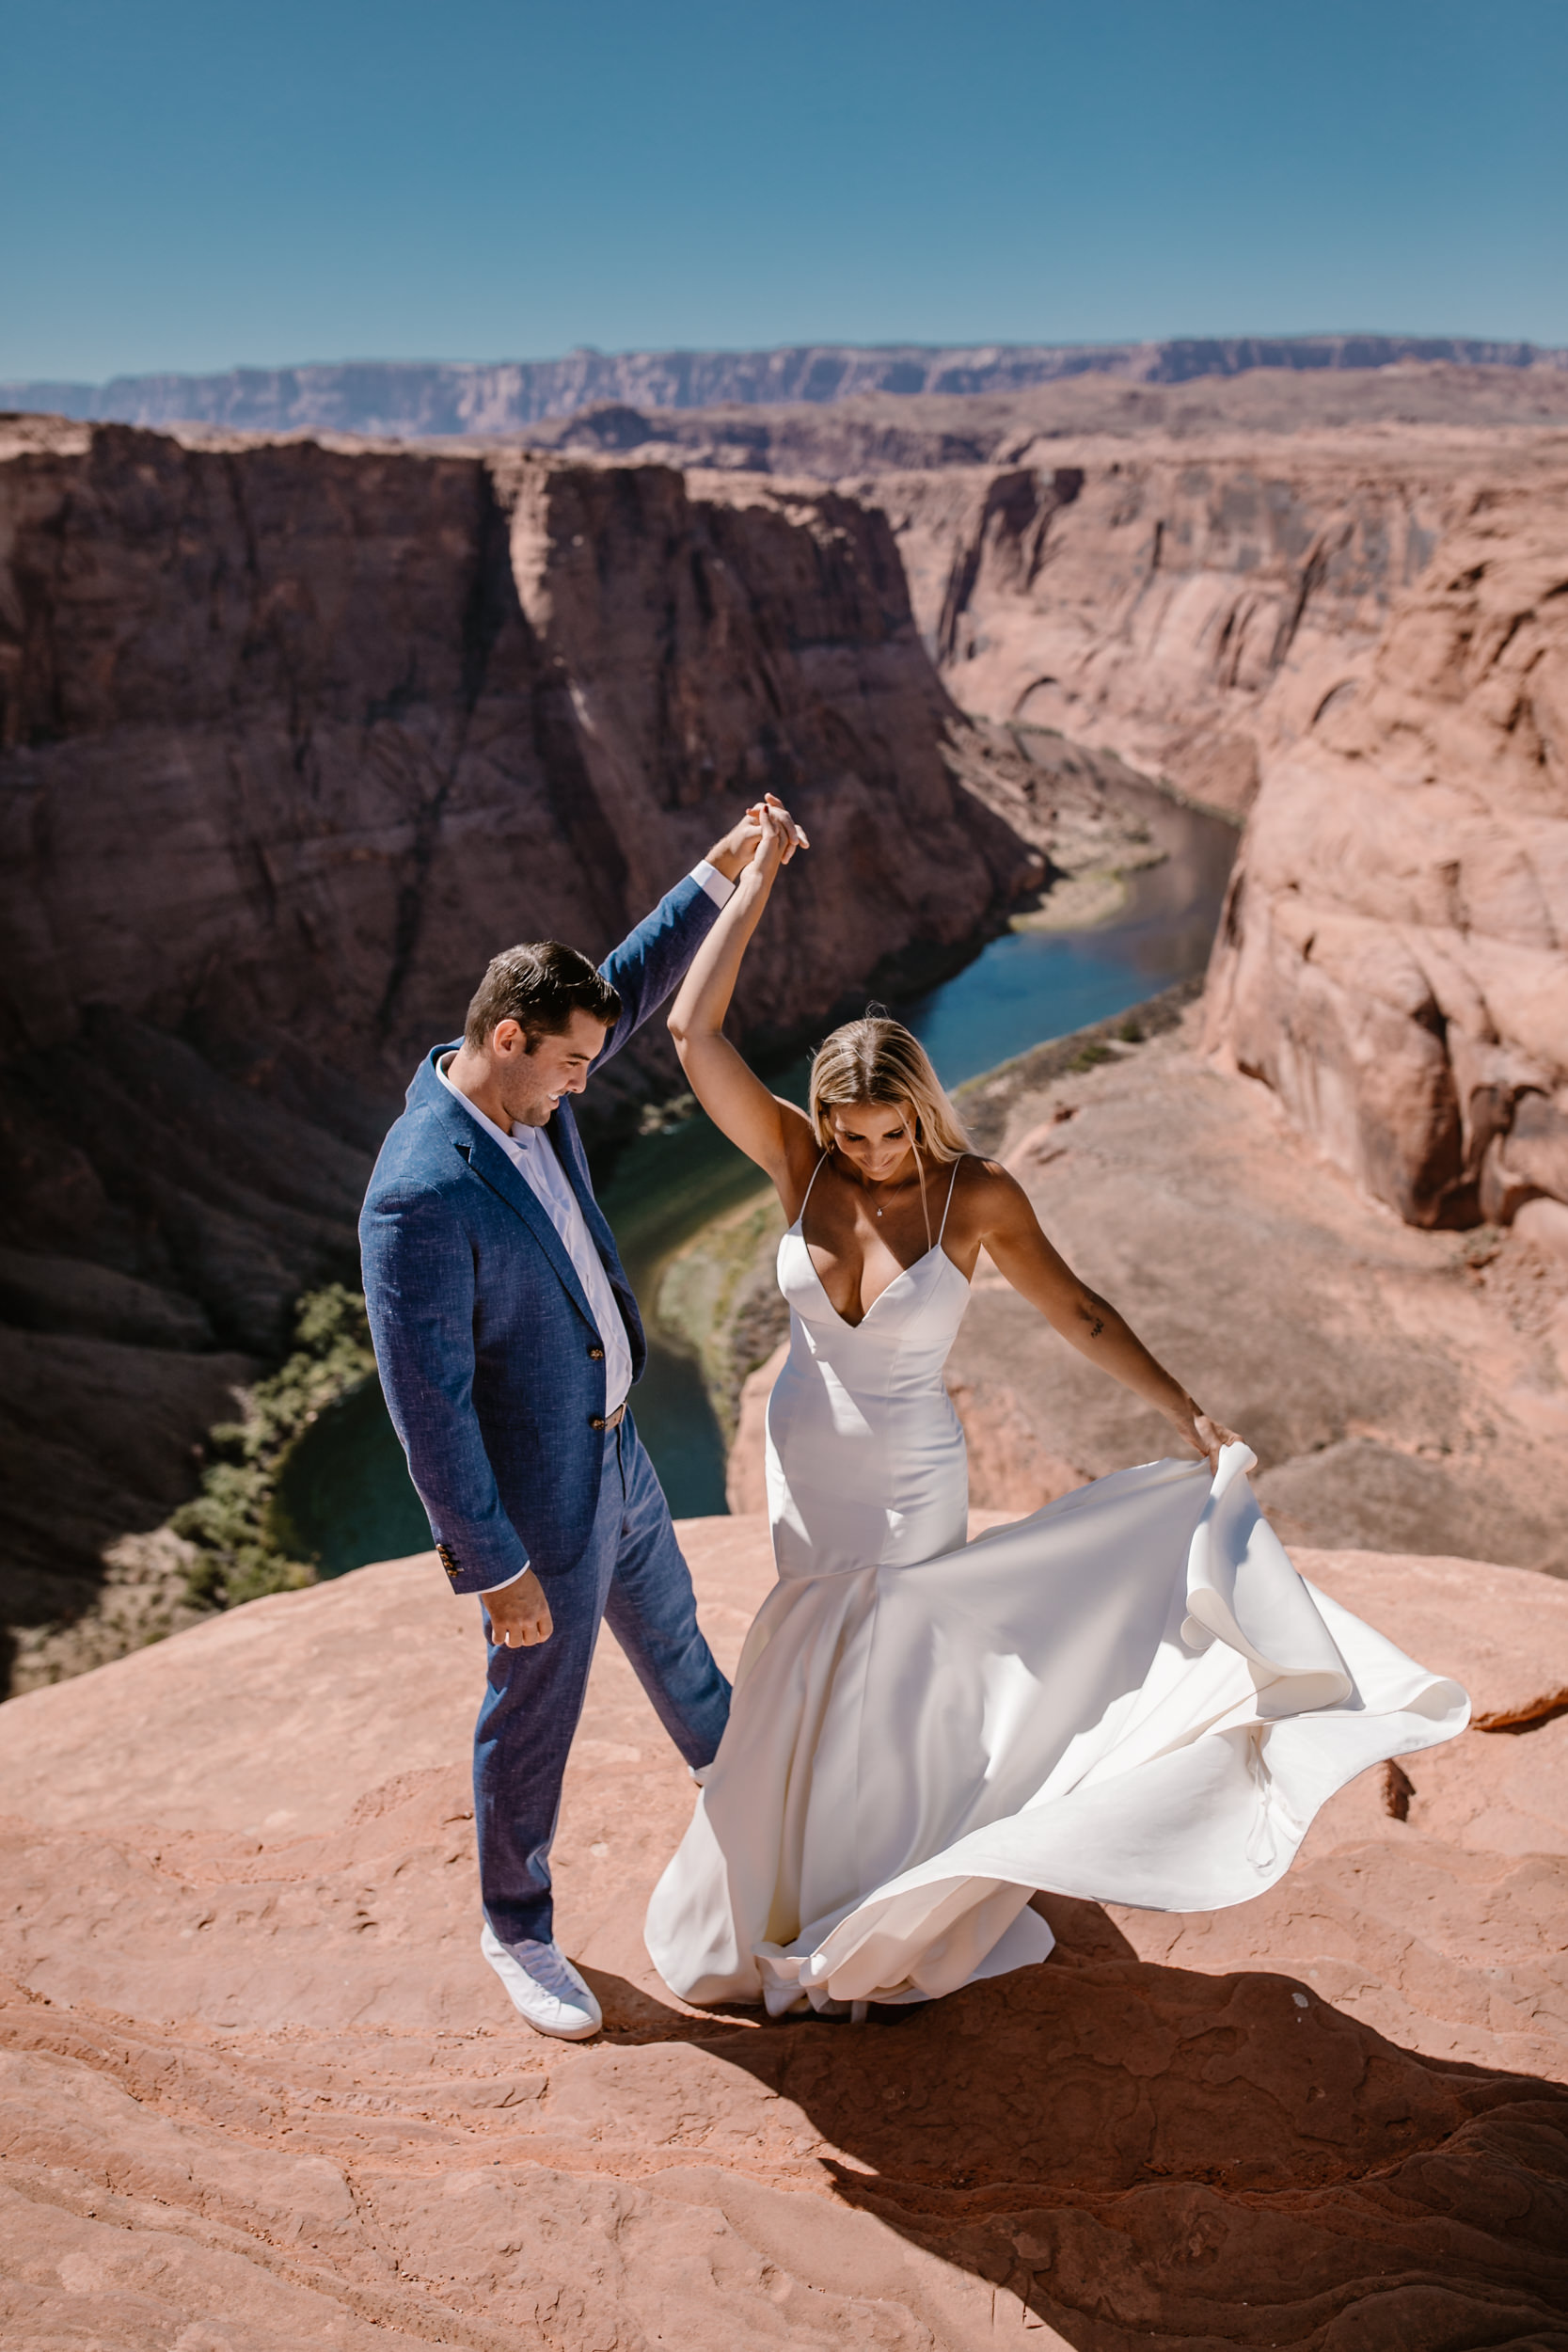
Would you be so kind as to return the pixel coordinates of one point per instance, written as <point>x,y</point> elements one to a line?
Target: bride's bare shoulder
<point>978,1175</point>
<point>800,1136</point>
<point>985,1191</point>
<point>801,1151</point>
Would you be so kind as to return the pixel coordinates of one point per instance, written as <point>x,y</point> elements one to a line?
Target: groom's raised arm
<point>651,961</point>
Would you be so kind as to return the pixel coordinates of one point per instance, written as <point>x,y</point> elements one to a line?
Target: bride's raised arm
<point>773,1133</point>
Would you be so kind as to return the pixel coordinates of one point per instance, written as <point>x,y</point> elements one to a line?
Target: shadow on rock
<point>1145,2155</point>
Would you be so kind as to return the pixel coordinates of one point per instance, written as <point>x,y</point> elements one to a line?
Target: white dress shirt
<point>531,1151</point>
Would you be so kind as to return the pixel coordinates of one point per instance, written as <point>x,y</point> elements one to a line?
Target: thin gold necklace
<point>905,1180</point>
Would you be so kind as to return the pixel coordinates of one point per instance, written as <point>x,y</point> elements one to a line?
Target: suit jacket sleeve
<point>419,1295</point>
<point>651,963</point>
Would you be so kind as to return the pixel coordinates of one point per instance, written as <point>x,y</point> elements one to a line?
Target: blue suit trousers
<point>632,1573</point>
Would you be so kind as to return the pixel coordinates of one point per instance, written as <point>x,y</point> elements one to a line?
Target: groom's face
<point>530,1084</point>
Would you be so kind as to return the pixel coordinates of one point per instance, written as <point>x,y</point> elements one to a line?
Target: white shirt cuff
<point>718,887</point>
<point>485,1589</point>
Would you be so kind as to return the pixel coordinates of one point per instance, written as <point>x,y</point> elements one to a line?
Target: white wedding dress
<point>1129,1696</point>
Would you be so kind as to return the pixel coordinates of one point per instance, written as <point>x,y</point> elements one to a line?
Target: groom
<point>507,1338</point>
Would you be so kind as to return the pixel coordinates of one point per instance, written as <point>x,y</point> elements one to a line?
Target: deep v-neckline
<point>915,1263</point>
<point>932,1250</point>
<point>935,1250</point>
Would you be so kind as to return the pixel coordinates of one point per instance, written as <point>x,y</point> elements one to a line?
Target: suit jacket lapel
<point>494,1167</point>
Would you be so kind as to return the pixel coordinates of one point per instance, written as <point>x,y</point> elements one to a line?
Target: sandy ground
<point>260,2091</point>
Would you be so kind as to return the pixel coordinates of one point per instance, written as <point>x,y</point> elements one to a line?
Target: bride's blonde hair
<point>877,1061</point>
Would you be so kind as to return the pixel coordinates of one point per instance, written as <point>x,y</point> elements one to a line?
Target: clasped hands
<point>768,824</point>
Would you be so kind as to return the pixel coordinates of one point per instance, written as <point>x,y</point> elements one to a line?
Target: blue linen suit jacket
<point>492,1364</point>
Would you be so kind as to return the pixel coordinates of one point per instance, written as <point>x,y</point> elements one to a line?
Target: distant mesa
<point>426,398</point>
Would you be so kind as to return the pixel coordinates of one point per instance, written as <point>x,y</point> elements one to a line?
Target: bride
<point>1129,1696</point>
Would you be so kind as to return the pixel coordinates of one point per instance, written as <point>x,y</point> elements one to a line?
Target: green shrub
<point>244,1546</point>
<point>1088,1056</point>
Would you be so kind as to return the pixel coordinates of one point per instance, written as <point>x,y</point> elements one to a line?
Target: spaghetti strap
<point>951,1182</point>
<point>801,1216</point>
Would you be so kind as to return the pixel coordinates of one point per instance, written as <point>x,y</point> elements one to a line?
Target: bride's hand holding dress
<point>1129,1696</point>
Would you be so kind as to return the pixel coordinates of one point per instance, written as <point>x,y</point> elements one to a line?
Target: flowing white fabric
<point>1129,1696</point>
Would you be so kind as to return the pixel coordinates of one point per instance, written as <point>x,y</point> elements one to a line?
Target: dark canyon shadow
<point>1143,2154</point>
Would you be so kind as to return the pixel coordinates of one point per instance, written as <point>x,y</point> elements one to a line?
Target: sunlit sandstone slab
<point>257,2086</point>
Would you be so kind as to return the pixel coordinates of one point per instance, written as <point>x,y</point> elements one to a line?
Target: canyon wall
<point>1394,957</point>
<point>1358,639</point>
<point>293,735</point>
<point>424,398</point>
<point>1376,634</point>
<point>294,739</point>
<point>1187,602</point>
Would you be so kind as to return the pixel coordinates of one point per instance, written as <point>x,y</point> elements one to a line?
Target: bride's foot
<point>544,1987</point>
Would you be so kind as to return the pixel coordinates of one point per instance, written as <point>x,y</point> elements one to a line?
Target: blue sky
<point>190,184</point>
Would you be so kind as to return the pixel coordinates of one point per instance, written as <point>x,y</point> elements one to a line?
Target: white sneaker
<point>544,1987</point>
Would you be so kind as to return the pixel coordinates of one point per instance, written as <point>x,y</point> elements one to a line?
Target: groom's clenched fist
<point>519,1614</point>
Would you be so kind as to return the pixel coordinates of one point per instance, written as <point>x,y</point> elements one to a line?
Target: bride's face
<point>877,1139</point>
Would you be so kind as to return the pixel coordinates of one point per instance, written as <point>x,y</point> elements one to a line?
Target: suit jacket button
<point>596,1355</point>
<point>596,1421</point>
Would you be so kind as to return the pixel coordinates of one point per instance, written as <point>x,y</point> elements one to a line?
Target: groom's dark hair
<point>539,985</point>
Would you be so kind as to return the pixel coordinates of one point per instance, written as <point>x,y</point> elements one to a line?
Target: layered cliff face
<point>1394,960</point>
<point>1378,633</point>
<point>1177,573</point>
<point>294,739</point>
<point>1186,603</point>
<point>295,736</point>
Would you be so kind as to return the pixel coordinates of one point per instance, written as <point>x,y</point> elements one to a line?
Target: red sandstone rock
<point>1392,959</point>
<point>260,2090</point>
<point>745,1482</point>
<point>389,702</point>
<point>1188,603</point>
<point>294,737</point>
<point>397,705</point>
<point>1372,622</point>
<point>847,438</point>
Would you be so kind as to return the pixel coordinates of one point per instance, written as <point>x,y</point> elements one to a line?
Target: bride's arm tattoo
<point>1092,1311</point>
